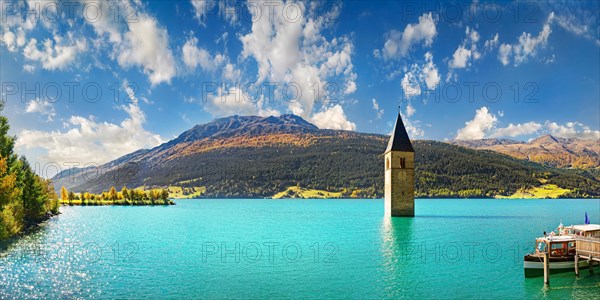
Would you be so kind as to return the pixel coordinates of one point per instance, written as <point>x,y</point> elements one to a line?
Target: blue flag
<point>587,220</point>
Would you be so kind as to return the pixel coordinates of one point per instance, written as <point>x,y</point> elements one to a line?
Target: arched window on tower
<point>387,163</point>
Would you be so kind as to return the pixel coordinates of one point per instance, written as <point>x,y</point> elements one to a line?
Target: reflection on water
<point>84,254</point>
<point>396,241</point>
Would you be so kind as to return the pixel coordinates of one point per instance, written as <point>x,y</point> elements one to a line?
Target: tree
<point>125,193</point>
<point>71,197</point>
<point>165,194</point>
<point>34,197</point>
<point>113,194</point>
<point>64,193</point>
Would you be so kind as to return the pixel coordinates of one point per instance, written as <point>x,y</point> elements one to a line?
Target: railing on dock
<point>588,248</point>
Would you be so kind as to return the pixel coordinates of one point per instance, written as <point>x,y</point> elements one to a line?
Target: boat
<point>561,247</point>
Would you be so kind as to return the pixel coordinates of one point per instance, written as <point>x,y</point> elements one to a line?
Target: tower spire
<point>399,140</point>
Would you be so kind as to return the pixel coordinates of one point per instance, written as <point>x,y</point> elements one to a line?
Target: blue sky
<point>133,74</point>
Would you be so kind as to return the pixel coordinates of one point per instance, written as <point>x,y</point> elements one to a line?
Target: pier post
<point>547,268</point>
<point>577,265</point>
<point>591,265</point>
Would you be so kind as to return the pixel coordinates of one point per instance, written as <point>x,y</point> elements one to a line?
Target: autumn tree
<point>125,193</point>
<point>113,194</point>
<point>64,193</point>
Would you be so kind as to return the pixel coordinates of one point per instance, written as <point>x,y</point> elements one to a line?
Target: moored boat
<point>561,247</point>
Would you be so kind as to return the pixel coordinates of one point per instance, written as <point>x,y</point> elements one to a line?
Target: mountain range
<point>549,150</point>
<point>252,157</point>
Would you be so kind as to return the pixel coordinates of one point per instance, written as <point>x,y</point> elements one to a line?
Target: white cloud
<point>484,124</point>
<point>297,53</point>
<point>333,118</point>
<point>410,85</point>
<point>28,68</point>
<point>42,107</point>
<point>194,56</point>
<point>55,54</point>
<point>491,43</point>
<point>104,24</point>
<point>201,9</point>
<point>429,72</point>
<point>413,127</point>
<point>88,141</point>
<point>477,128</point>
<point>504,53</point>
<point>398,44</point>
<point>426,74</point>
<point>466,52</point>
<point>527,45</point>
<point>460,58</point>
<point>13,41</point>
<point>513,130</point>
<point>410,110</point>
<point>236,102</point>
<point>147,45</point>
<point>572,130</point>
<point>378,111</point>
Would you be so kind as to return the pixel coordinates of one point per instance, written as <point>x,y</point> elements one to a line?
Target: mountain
<point>549,150</point>
<point>248,156</point>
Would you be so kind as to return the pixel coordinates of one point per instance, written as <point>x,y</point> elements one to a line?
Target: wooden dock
<point>586,248</point>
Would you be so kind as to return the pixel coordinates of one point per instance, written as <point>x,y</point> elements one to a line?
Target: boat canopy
<point>587,227</point>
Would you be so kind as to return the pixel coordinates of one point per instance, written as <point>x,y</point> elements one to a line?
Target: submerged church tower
<point>399,173</point>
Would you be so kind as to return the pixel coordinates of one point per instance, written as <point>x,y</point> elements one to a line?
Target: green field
<point>541,192</point>
<point>298,192</point>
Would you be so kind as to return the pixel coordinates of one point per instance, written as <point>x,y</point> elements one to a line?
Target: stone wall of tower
<point>399,183</point>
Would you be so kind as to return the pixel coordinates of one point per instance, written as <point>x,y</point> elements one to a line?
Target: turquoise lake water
<point>294,249</point>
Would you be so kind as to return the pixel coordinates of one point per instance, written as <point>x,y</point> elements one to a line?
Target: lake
<point>294,249</point>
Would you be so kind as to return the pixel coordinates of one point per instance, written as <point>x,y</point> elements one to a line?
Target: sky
<point>85,82</point>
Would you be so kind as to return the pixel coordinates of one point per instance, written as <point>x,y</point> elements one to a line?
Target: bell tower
<point>399,173</point>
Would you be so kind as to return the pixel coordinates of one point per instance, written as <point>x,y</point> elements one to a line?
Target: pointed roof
<point>399,140</point>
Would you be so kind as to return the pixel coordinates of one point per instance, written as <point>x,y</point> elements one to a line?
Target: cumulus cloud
<point>413,127</point>
<point>14,41</point>
<point>477,128</point>
<point>467,51</point>
<point>491,43</point>
<point>429,72</point>
<point>201,9</point>
<point>57,53</point>
<point>379,112</point>
<point>504,53</point>
<point>333,118</point>
<point>425,74</point>
<point>484,124</point>
<point>572,130</point>
<point>297,53</point>
<point>195,56</point>
<point>88,141</point>
<point>104,24</point>
<point>527,45</point>
<point>410,110</point>
<point>513,130</point>
<point>146,44</point>
<point>235,101</point>
<point>44,108</point>
<point>410,85</point>
<point>398,44</point>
